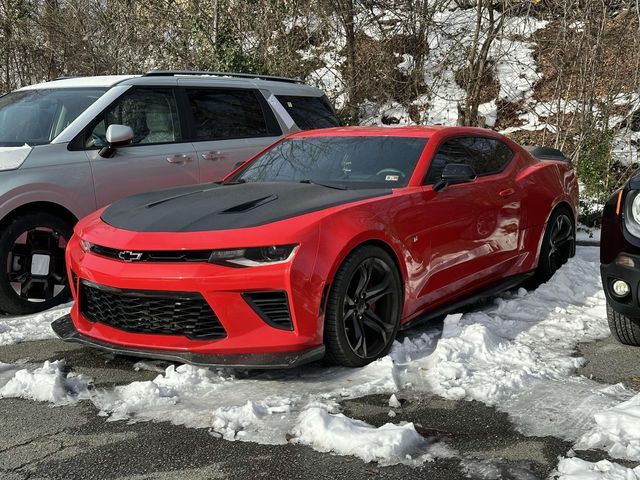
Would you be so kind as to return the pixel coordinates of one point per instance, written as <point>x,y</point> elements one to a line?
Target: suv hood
<point>225,207</point>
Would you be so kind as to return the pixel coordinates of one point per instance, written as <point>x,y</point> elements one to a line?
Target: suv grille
<point>273,307</point>
<point>165,313</point>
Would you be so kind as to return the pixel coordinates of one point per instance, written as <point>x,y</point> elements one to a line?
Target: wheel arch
<point>378,242</point>
<point>40,206</point>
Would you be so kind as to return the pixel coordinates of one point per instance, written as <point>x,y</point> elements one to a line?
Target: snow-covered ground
<point>517,354</point>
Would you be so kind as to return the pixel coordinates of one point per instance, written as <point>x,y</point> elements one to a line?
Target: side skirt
<point>494,289</point>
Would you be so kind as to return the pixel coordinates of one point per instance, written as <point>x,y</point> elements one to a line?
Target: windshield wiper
<point>322,184</point>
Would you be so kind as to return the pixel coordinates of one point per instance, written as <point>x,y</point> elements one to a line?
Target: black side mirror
<point>455,173</point>
<point>116,136</point>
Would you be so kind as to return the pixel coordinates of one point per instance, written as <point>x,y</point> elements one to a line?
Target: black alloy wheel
<point>558,244</point>
<point>363,308</point>
<point>32,257</point>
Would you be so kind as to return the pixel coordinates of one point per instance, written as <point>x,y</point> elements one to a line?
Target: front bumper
<point>66,330</point>
<point>225,290</point>
<point>630,304</point>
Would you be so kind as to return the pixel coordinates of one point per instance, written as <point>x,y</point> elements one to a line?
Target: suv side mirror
<point>455,173</point>
<point>116,136</point>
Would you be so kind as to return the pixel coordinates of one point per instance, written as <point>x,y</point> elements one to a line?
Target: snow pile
<point>336,433</point>
<point>48,383</point>
<point>251,406</point>
<point>518,354</point>
<point>576,469</point>
<point>30,327</point>
<point>617,431</point>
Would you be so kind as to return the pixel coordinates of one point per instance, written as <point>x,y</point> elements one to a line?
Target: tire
<point>359,330</point>
<point>626,330</point>
<point>554,254</point>
<point>30,234</point>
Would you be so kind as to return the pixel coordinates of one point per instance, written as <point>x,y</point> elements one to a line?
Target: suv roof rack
<point>169,73</point>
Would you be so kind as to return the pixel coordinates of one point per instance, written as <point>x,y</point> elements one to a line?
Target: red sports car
<point>323,245</point>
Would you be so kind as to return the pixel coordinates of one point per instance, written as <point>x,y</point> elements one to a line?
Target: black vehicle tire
<point>34,233</point>
<point>364,307</point>
<point>626,330</point>
<point>558,244</point>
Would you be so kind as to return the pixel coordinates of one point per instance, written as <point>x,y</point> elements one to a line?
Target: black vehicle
<point>620,261</point>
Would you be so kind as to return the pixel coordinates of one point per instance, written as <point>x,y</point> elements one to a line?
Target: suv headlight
<point>13,157</point>
<point>253,256</point>
<point>632,212</point>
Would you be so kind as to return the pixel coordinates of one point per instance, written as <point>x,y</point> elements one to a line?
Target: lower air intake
<point>273,308</point>
<point>165,313</point>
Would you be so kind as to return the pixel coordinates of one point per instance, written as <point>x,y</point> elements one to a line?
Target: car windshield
<point>345,161</point>
<point>36,117</point>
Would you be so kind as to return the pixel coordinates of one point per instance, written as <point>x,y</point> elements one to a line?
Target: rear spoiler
<point>548,153</point>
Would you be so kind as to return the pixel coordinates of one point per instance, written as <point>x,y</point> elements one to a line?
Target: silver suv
<point>71,146</point>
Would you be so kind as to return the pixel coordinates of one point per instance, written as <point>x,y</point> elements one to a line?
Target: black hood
<point>223,207</point>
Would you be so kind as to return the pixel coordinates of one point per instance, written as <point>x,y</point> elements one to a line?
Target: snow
<point>516,353</point>
<point>48,383</point>
<point>577,469</point>
<point>29,327</point>
<point>342,435</point>
<point>617,430</point>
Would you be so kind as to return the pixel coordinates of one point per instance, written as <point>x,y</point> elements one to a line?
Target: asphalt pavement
<point>38,441</point>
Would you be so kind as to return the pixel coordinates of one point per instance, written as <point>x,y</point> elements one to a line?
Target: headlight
<point>253,256</point>
<point>632,212</point>
<point>86,246</point>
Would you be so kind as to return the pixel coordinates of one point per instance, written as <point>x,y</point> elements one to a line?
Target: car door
<point>158,157</point>
<point>473,226</point>
<point>229,126</point>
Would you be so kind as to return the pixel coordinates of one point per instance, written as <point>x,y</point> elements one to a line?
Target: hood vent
<point>243,207</point>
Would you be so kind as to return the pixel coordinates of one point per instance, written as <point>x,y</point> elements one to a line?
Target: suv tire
<point>40,234</point>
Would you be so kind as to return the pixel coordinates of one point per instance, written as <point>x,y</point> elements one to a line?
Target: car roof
<point>273,84</point>
<point>78,82</point>
<point>420,131</point>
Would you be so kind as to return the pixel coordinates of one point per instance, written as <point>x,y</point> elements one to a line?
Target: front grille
<point>153,255</point>
<point>165,313</point>
<point>273,308</point>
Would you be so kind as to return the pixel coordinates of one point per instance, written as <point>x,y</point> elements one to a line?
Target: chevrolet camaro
<point>324,245</point>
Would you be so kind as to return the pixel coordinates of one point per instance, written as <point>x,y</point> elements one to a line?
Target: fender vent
<point>273,308</point>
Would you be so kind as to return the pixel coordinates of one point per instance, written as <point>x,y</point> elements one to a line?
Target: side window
<point>309,112</point>
<point>219,114</point>
<point>451,151</point>
<point>487,156</point>
<point>151,113</point>
<point>493,156</point>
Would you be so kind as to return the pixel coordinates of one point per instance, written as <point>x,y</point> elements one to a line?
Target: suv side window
<point>225,114</point>
<point>151,113</point>
<point>309,112</point>
<point>487,156</point>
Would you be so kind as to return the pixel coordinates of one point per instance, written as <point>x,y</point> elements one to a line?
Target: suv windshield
<point>355,162</point>
<point>36,117</point>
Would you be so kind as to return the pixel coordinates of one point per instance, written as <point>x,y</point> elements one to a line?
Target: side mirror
<point>116,136</point>
<point>455,173</point>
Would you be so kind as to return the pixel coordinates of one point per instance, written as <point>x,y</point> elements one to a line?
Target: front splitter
<point>66,330</point>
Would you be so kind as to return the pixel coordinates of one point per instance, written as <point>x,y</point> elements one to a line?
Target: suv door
<point>475,224</point>
<point>158,156</point>
<point>228,126</point>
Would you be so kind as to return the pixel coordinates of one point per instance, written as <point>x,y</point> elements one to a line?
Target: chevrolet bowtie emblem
<point>129,256</point>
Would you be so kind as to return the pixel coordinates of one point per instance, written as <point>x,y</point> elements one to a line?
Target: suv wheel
<point>363,308</point>
<point>33,275</point>
<point>626,330</point>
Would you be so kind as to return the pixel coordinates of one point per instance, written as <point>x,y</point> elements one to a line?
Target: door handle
<point>179,159</point>
<point>507,192</point>
<point>213,156</point>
